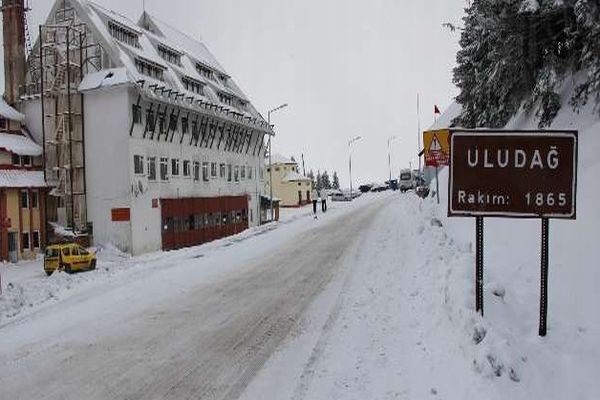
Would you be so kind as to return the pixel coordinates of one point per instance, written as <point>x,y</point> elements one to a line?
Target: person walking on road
<point>323,197</point>
<point>314,196</point>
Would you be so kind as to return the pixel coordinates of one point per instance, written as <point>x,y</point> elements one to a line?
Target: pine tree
<point>319,183</point>
<point>336,181</point>
<point>587,15</point>
<point>325,181</point>
<point>517,54</point>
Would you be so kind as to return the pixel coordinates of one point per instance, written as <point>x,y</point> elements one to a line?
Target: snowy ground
<point>373,300</point>
<point>26,286</point>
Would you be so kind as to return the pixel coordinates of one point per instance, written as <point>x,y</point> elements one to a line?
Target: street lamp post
<point>390,139</point>
<point>350,162</point>
<point>270,155</point>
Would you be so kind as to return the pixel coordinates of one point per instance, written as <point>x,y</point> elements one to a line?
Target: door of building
<point>13,245</point>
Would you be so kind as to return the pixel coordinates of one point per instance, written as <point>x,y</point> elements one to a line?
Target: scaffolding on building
<point>67,52</point>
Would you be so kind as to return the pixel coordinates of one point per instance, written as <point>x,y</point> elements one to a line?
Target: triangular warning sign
<point>435,144</point>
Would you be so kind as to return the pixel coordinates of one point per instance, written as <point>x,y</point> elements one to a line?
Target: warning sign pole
<point>437,185</point>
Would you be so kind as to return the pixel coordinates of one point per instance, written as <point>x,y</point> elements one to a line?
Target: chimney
<point>13,13</point>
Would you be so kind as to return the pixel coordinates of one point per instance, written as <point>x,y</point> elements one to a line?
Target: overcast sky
<point>346,68</point>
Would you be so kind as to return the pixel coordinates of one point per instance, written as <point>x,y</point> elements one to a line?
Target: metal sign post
<point>544,277</point>
<point>516,174</point>
<point>479,265</point>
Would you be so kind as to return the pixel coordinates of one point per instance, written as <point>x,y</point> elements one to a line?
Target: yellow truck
<point>68,257</point>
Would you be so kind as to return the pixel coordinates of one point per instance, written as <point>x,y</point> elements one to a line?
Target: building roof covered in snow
<point>17,178</point>
<point>10,113</point>
<point>293,176</point>
<point>280,159</point>
<point>19,144</point>
<point>159,59</point>
<point>105,78</point>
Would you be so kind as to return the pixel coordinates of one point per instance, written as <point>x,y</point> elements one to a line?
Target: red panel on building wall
<point>193,221</point>
<point>120,214</point>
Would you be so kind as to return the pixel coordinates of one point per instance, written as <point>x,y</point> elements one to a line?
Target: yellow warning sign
<point>437,148</point>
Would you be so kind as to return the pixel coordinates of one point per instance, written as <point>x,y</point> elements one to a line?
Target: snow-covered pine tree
<point>319,183</point>
<point>587,15</point>
<point>336,180</point>
<point>325,181</point>
<point>516,53</point>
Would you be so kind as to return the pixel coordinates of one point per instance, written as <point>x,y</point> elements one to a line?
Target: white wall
<point>33,118</point>
<point>107,168</point>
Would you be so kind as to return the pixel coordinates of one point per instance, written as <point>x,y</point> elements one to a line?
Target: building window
<point>229,172</point>
<point>225,99</point>
<point>35,238</point>
<point>194,127</point>
<point>175,166</point>
<point>222,171</point>
<point>170,55</point>
<point>3,123</point>
<point>213,170</point>
<point>138,165</point>
<point>204,71</point>
<point>237,173</point>
<point>150,120</point>
<point>136,110</point>
<point>184,125</point>
<point>150,69</point>
<point>24,199</point>
<point>161,123</point>
<point>16,159</point>
<point>151,168</point>
<point>26,161</point>
<point>186,168</point>
<point>164,169</point>
<point>34,199</point>
<point>196,171</point>
<point>123,34</point>
<point>205,171</point>
<point>243,172</point>
<point>173,122</point>
<point>25,240</point>
<point>193,85</point>
<point>250,169</point>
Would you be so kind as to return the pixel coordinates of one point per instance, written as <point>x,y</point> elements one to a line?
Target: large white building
<point>163,150</point>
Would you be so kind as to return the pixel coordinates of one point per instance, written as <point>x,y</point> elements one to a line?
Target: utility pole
<point>270,155</point>
<point>390,139</point>
<point>350,162</point>
<point>419,133</point>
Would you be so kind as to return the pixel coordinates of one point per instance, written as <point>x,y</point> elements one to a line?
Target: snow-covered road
<point>372,301</point>
<point>169,336</point>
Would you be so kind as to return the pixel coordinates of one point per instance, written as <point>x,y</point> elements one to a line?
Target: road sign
<point>437,148</point>
<point>522,174</point>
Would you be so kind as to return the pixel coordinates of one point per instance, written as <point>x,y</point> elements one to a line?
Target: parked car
<point>365,188</point>
<point>340,196</point>
<point>69,257</point>
<point>407,180</point>
<point>379,188</point>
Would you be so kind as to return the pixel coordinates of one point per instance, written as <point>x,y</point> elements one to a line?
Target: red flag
<point>436,110</point>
